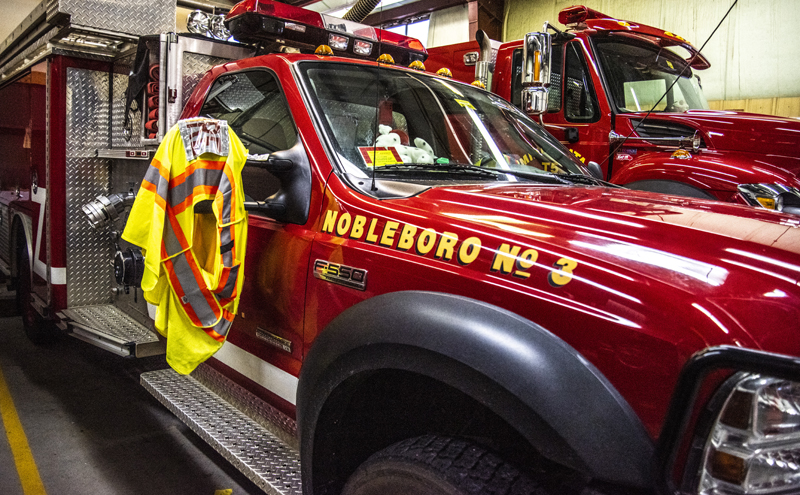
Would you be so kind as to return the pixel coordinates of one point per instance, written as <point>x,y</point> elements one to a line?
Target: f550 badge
<point>355,278</point>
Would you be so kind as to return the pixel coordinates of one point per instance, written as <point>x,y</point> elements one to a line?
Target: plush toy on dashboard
<point>422,153</point>
<point>387,137</point>
<point>423,145</point>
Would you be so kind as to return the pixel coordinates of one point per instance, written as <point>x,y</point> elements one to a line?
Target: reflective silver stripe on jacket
<point>193,291</point>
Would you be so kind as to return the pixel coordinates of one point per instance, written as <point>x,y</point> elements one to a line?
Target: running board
<point>109,328</point>
<point>260,455</point>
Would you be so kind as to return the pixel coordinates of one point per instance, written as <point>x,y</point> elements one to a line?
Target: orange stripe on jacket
<point>206,164</point>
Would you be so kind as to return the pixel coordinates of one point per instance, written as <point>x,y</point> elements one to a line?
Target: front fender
<point>717,173</point>
<point>536,382</point>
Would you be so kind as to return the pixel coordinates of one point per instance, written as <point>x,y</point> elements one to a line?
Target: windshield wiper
<point>587,179</point>
<point>437,168</point>
<point>547,178</point>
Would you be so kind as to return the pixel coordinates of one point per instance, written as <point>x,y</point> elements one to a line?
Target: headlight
<point>754,446</point>
<point>769,196</point>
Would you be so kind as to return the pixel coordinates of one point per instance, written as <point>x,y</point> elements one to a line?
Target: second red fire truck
<point>604,75</point>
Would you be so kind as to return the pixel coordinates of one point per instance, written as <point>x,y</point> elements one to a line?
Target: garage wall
<point>449,26</point>
<point>754,58</point>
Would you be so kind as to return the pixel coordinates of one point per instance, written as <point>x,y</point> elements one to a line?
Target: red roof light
<point>578,13</point>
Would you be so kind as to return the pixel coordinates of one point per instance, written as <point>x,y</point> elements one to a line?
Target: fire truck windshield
<point>638,75</point>
<point>403,122</point>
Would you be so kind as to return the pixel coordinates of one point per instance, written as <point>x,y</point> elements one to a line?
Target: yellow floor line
<point>23,457</point>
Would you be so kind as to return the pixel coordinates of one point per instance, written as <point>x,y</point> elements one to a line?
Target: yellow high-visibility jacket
<point>194,263</point>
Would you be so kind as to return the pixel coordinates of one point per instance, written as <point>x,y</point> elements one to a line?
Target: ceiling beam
<point>408,10</point>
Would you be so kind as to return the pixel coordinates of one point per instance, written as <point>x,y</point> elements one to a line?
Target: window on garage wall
<point>415,29</point>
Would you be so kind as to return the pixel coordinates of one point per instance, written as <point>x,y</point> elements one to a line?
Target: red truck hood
<point>655,215</point>
<point>740,264</point>
<point>740,131</point>
<point>610,224</point>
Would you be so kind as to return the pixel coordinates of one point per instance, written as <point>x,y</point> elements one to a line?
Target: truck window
<point>554,95</point>
<point>399,122</point>
<point>255,108</point>
<point>580,102</point>
<point>639,74</point>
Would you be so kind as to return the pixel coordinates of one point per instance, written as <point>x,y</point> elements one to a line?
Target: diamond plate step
<point>108,327</point>
<point>260,455</point>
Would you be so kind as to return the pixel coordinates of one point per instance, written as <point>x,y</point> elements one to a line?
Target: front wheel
<point>434,465</point>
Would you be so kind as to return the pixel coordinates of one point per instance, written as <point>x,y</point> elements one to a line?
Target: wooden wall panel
<point>784,107</point>
<point>753,55</point>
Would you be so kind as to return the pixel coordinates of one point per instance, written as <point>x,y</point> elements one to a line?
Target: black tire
<point>434,465</point>
<point>37,329</point>
<point>670,187</point>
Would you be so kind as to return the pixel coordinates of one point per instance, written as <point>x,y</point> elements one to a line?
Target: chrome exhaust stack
<point>482,68</point>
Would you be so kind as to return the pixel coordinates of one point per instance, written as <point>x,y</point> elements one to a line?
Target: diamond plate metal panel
<point>137,17</point>
<point>89,252</point>
<point>5,233</point>
<point>112,322</point>
<point>253,450</point>
<point>87,112</point>
<point>194,66</point>
<point>278,423</point>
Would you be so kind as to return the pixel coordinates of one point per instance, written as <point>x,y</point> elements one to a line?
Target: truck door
<point>577,122</point>
<point>270,320</point>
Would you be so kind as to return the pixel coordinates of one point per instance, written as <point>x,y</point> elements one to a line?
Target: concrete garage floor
<point>92,428</point>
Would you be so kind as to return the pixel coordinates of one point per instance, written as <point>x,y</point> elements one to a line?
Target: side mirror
<point>594,169</point>
<point>293,200</point>
<point>536,52</point>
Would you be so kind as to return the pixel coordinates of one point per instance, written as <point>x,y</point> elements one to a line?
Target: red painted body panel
<point>22,142</point>
<point>58,173</point>
<point>613,311</point>
<point>716,172</point>
<point>277,254</point>
<point>638,257</point>
<point>453,59</point>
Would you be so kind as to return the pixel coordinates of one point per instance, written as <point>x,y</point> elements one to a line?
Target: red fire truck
<point>438,296</point>
<point>604,77</point>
